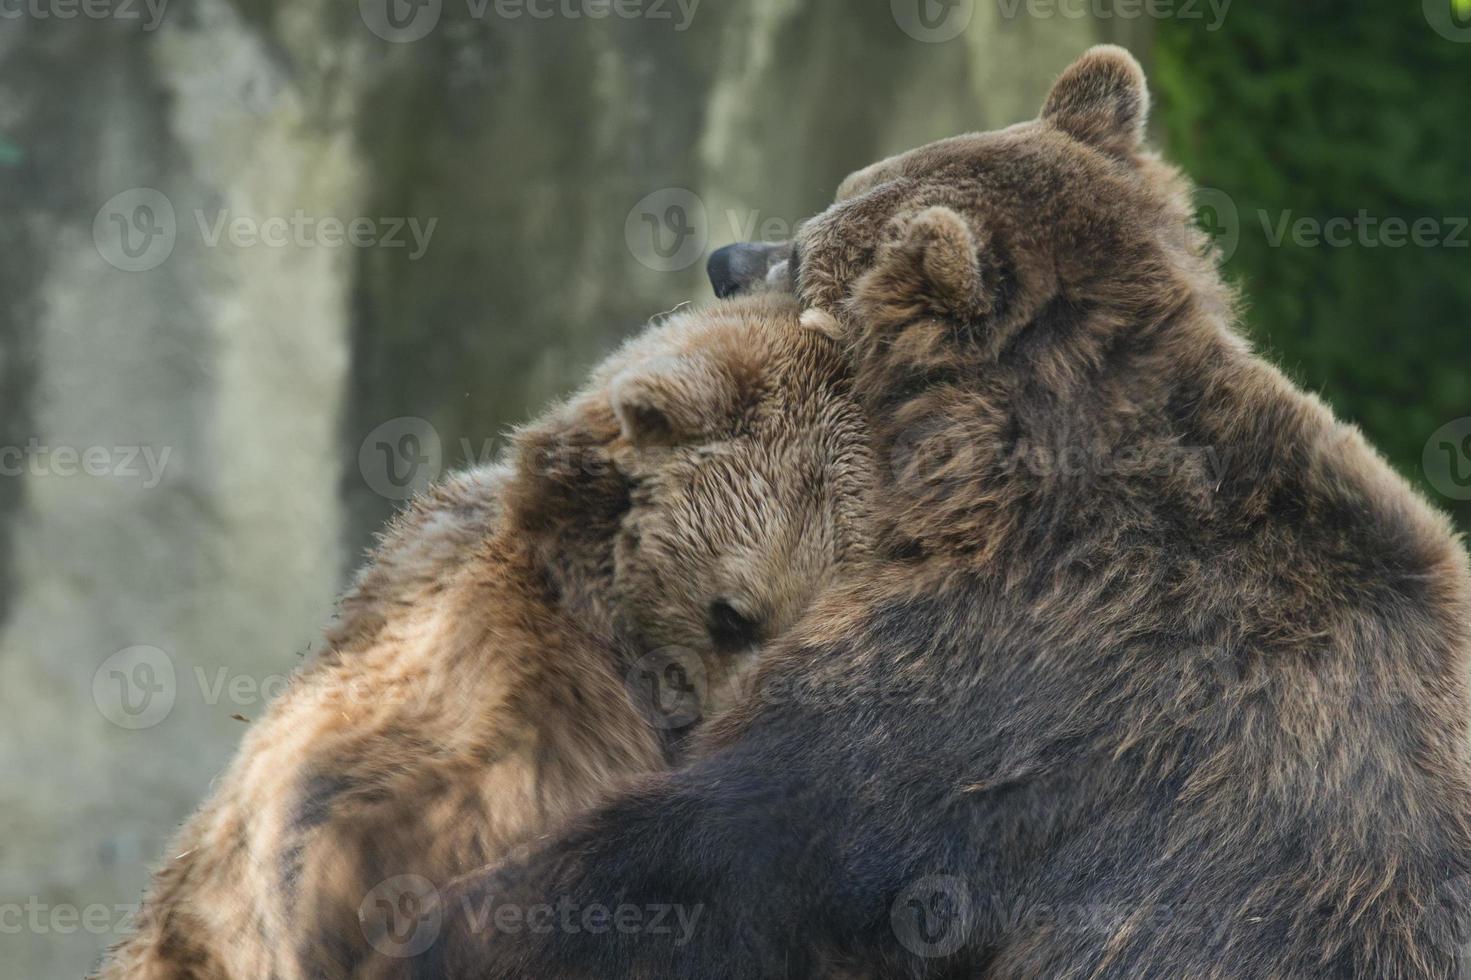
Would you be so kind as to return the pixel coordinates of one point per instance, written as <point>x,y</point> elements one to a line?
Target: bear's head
<point>712,477</point>
<point>983,281</point>
<point>1002,229</point>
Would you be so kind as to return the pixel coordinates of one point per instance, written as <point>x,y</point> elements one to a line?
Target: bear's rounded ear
<point>562,486</point>
<point>1102,99</point>
<point>670,400</point>
<point>929,262</point>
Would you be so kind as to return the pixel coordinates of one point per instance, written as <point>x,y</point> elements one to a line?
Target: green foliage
<point>1321,110</point>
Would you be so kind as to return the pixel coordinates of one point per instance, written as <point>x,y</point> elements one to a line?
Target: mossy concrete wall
<point>190,401</point>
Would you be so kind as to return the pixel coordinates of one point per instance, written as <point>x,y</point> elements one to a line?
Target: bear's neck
<point>1086,411</point>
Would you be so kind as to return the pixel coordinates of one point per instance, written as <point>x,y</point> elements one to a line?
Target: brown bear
<point>489,674</point>
<point>1159,670</point>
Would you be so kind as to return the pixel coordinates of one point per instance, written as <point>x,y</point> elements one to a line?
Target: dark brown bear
<point>1162,672</point>
<point>527,638</point>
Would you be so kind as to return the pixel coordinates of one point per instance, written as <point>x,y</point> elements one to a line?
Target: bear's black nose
<point>735,269</point>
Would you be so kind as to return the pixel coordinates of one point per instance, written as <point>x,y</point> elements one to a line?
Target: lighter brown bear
<point>526,638</point>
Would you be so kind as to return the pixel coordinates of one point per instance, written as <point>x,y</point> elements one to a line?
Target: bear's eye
<point>731,630</point>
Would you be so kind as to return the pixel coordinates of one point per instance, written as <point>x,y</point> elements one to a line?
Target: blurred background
<point>268,266</point>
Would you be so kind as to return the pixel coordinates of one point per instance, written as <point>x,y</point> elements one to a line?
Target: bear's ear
<point>1101,99</point>
<point>562,489</point>
<point>928,262</point>
<point>671,400</point>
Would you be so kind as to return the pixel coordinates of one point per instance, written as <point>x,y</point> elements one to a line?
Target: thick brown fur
<point>1160,673</point>
<point>480,684</point>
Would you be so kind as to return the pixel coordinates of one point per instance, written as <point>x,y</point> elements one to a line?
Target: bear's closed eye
<point>730,630</point>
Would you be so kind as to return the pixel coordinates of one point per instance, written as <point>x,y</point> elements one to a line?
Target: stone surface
<point>220,391</point>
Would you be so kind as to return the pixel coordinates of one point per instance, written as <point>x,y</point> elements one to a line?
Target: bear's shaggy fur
<point>1160,671</point>
<point>482,681</point>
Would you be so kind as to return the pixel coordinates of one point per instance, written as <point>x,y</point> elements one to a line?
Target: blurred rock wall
<point>269,265</point>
